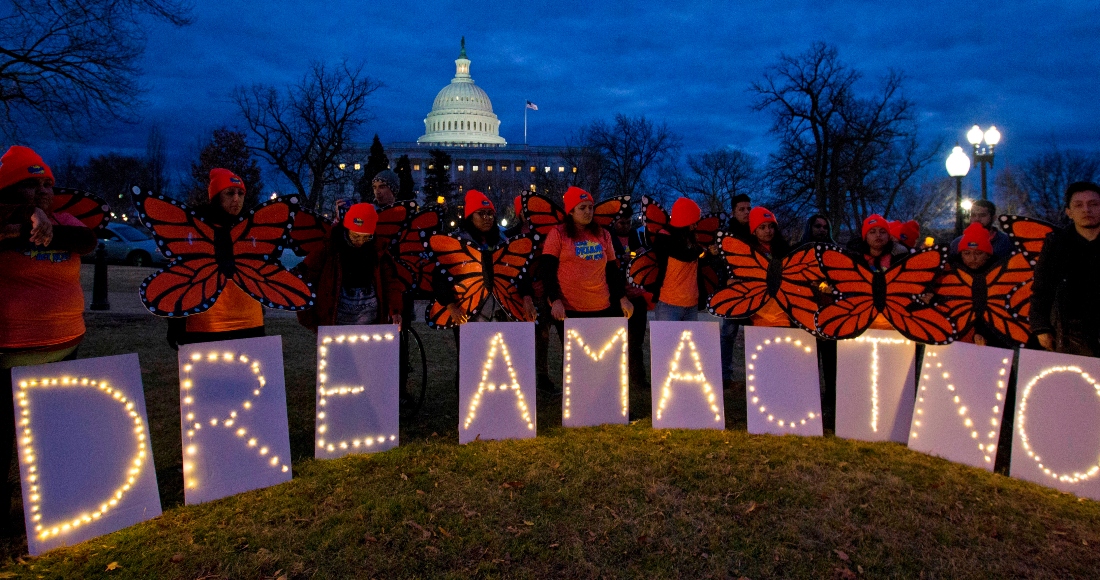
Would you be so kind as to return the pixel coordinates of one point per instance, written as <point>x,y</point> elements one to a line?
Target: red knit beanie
<point>221,179</point>
<point>361,218</point>
<point>760,215</point>
<point>976,237</point>
<point>517,204</point>
<point>684,213</point>
<point>909,233</point>
<point>873,221</point>
<point>476,201</point>
<point>574,196</point>
<point>21,163</point>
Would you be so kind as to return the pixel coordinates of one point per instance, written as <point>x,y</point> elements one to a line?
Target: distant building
<point>462,124</point>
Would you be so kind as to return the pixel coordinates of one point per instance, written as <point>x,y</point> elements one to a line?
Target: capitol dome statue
<point>462,114</point>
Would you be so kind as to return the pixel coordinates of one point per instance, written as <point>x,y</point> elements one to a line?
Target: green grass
<point>625,501</point>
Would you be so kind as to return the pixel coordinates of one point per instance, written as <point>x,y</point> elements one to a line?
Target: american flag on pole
<point>532,106</point>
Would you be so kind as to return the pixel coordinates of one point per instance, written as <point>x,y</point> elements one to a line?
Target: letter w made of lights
<point>686,366</point>
<point>496,378</point>
<point>960,403</point>
<point>85,461</point>
<point>781,381</point>
<point>1056,433</point>
<point>875,386</point>
<point>234,422</point>
<point>595,379</point>
<point>358,384</point>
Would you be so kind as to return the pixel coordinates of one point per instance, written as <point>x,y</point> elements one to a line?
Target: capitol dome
<point>462,114</point>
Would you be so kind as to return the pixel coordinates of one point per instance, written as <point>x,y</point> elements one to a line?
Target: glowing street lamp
<point>983,153</point>
<point>958,165</point>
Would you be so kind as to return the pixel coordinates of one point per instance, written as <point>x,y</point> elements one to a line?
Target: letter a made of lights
<point>1021,424</point>
<point>698,377</point>
<point>987,444</point>
<point>624,378</point>
<point>46,530</point>
<point>497,345</point>
<point>750,383</point>
<point>324,392</point>
<point>233,421</point>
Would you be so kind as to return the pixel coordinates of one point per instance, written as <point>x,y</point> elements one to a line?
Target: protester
<point>678,288</point>
<point>739,222</point>
<point>235,314</point>
<point>353,281</point>
<point>984,212</point>
<point>580,271</point>
<point>767,239</point>
<point>905,233</point>
<point>543,321</point>
<point>385,185</point>
<point>737,227</point>
<point>875,244</point>
<point>41,300</point>
<point>1065,311</point>
<point>975,258</point>
<point>627,245</point>
<point>819,230</point>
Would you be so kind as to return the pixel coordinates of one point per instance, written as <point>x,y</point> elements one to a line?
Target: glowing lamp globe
<point>975,135</point>
<point>967,204</point>
<point>958,164</point>
<point>992,136</point>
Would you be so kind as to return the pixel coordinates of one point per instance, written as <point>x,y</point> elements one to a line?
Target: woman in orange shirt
<point>235,314</point>
<point>41,301</point>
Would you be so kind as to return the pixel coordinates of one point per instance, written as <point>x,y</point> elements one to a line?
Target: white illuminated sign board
<point>875,386</point>
<point>686,371</point>
<point>496,381</point>
<point>781,381</point>
<point>595,377</point>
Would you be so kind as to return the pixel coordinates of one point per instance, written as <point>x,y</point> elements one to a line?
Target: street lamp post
<point>958,165</point>
<point>983,153</point>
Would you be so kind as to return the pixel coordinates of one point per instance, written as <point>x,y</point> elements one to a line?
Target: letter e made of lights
<point>85,461</point>
<point>234,421</point>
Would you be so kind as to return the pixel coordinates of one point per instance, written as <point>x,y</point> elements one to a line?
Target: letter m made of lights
<point>593,385</point>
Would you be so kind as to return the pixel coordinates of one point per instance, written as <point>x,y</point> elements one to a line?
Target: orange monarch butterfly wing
<point>712,282</point>
<point>798,278</point>
<point>542,213</point>
<point>706,231</point>
<point>416,263</point>
<point>906,281</point>
<point>463,267</point>
<point>1006,285</point>
<point>179,233</point>
<point>258,241</point>
<point>510,264</point>
<point>392,220</point>
<point>273,285</point>
<point>183,288</point>
<point>308,232</point>
<point>609,210</point>
<point>86,207</point>
<point>954,297</point>
<point>851,314</point>
<point>643,269</point>
<point>747,290</point>
<point>656,218</point>
<point>1028,234</point>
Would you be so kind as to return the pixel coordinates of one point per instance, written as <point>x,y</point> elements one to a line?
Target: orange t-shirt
<point>771,314</point>
<point>41,301</point>
<point>581,268</point>
<point>681,285</point>
<point>234,310</point>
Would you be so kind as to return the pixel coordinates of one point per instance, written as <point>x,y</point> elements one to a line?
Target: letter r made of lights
<point>329,395</point>
<point>1076,477</point>
<point>760,406</point>
<point>497,347</point>
<point>677,373</point>
<point>47,530</point>
<point>234,421</point>
<point>572,336</point>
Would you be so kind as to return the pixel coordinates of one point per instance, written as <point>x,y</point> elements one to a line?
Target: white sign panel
<point>496,378</point>
<point>960,403</point>
<point>595,376</point>
<point>686,370</point>
<point>875,386</point>
<point>85,461</point>
<point>358,389</point>
<point>781,381</point>
<point>1056,434</point>
<point>234,423</point>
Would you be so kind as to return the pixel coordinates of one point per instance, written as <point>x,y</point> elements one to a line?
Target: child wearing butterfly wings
<point>353,281</point>
<point>41,301</point>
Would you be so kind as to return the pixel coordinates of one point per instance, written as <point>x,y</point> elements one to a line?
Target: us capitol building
<point>462,124</point>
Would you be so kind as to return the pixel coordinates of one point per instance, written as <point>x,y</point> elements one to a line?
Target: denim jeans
<point>729,330</point>
<point>675,313</point>
<point>357,306</point>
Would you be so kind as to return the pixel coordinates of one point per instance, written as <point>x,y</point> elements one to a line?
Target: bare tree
<point>1046,175</point>
<point>156,161</point>
<point>840,154</point>
<point>628,150</point>
<point>714,177</point>
<point>305,129</point>
<point>70,65</point>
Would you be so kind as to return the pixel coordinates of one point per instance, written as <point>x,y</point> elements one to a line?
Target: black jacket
<point>1067,285</point>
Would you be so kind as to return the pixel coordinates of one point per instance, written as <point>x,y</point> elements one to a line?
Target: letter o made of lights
<point>1021,426</point>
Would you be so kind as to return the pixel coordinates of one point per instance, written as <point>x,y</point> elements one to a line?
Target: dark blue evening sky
<point>1031,68</point>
